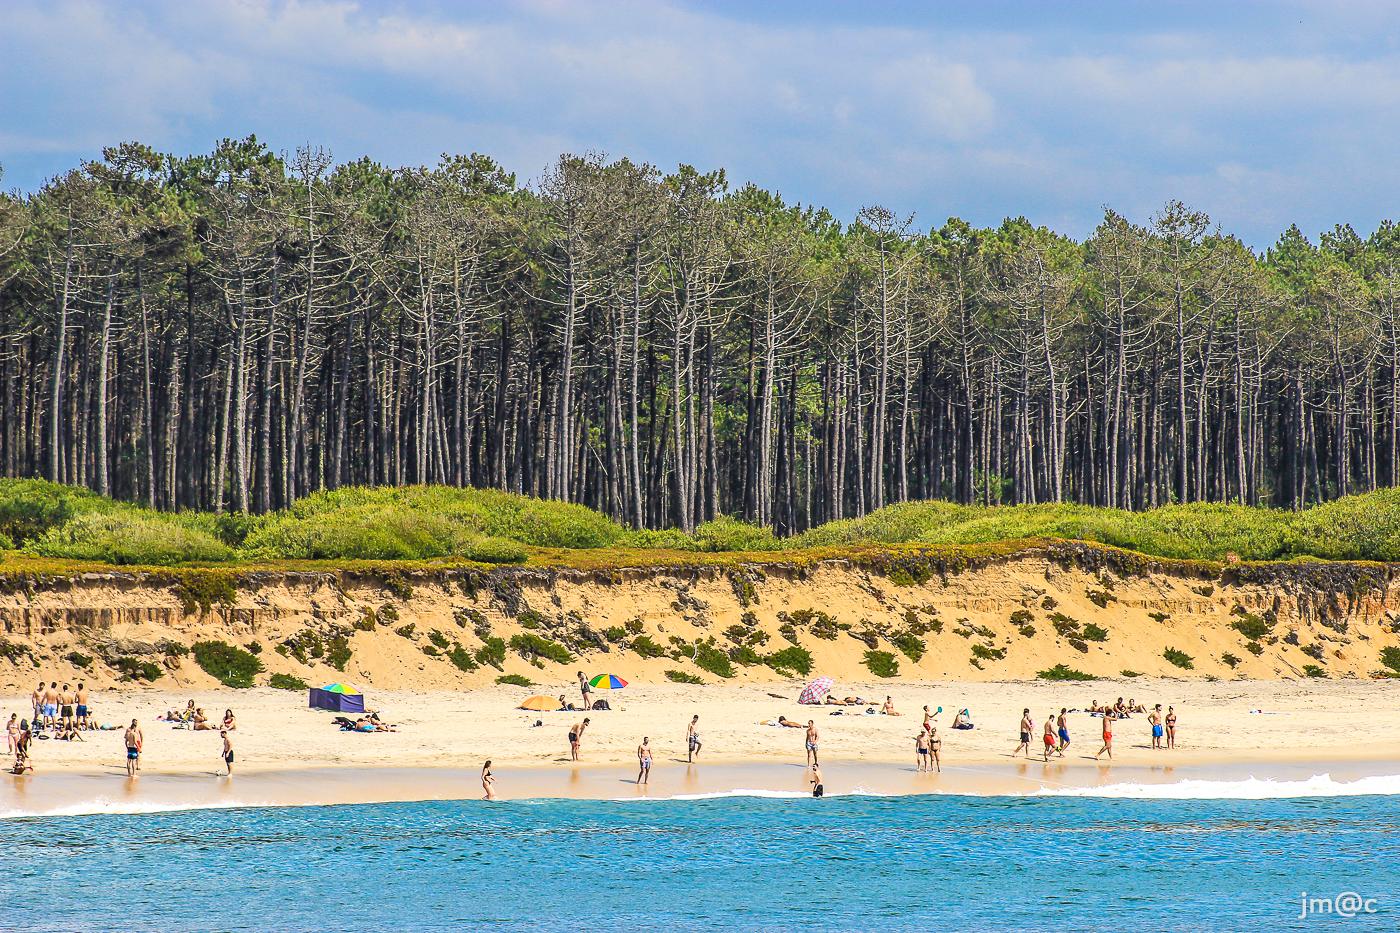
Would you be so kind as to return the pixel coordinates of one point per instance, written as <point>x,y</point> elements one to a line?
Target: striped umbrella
<point>607,682</point>
<point>816,691</point>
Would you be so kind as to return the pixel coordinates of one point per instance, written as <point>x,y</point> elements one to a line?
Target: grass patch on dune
<point>1064,672</point>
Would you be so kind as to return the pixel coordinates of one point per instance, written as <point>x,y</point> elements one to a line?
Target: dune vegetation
<point>44,519</point>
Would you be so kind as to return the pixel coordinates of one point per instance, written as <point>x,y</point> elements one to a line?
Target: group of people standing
<point>1055,733</point>
<point>57,712</point>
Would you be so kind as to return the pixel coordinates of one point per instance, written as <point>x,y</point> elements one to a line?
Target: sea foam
<point>1319,785</point>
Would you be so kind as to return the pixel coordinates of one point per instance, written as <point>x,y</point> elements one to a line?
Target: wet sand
<point>110,791</point>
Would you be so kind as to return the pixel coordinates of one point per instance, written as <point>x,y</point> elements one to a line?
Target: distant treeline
<point>232,331</point>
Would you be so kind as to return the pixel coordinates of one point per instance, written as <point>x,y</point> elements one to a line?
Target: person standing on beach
<point>228,751</point>
<point>1108,717</point>
<point>935,746</point>
<point>488,781</point>
<point>133,748</point>
<point>1171,727</point>
<point>12,732</point>
<point>921,751</point>
<point>1062,726</point>
<point>37,698</point>
<point>22,762</point>
<point>812,742</point>
<point>1049,737</point>
<point>576,736</point>
<point>692,738</point>
<point>1026,726</point>
<point>66,700</point>
<point>51,705</point>
<point>644,760</point>
<point>1155,718</point>
<point>81,698</point>
<point>815,779</point>
<point>585,688</point>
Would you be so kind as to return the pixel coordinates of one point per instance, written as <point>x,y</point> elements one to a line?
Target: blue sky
<point>1262,114</point>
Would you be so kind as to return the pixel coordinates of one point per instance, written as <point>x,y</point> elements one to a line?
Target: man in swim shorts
<point>1062,727</point>
<point>51,705</point>
<point>815,779</point>
<point>1108,717</point>
<point>576,736</point>
<point>1026,726</point>
<point>644,761</point>
<point>1155,718</point>
<point>812,742</point>
<point>132,737</point>
<point>228,751</point>
<point>692,738</point>
<point>65,699</point>
<point>81,697</point>
<point>1049,736</point>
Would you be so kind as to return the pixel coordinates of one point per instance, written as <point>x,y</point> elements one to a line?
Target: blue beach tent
<point>340,698</point>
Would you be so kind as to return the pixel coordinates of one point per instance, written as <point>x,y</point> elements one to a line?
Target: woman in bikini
<point>488,781</point>
<point>1171,727</point>
<point>935,745</point>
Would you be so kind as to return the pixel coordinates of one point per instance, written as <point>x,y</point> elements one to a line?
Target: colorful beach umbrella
<point>816,691</point>
<point>607,682</point>
<point>344,689</point>
<point>541,703</point>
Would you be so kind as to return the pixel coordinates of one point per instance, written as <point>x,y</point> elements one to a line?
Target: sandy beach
<point>287,753</point>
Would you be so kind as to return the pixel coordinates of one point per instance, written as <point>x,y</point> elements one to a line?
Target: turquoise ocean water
<point>843,863</point>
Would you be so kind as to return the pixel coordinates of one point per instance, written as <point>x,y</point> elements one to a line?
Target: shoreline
<point>108,791</point>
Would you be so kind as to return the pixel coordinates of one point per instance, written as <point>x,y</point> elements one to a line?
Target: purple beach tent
<point>340,698</point>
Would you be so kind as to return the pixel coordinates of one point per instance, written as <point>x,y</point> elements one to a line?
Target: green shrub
<point>127,535</point>
<point>1230,660</point>
<point>985,653</point>
<point>882,663</point>
<point>1064,672</point>
<point>461,658</point>
<point>137,668</point>
<point>793,659</point>
<point>1179,658</point>
<point>406,631</point>
<point>31,507</point>
<point>1252,627</point>
<point>745,655</point>
<point>911,646</point>
<point>204,589</point>
<point>615,634</point>
<point>529,618</point>
<point>1093,632</point>
<point>1312,670</point>
<point>438,639</point>
<point>731,534</point>
<point>647,647</point>
<point>492,652</point>
<point>286,682</point>
<point>1064,625</point>
<point>1159,616</point>
<point>531,646</point>
<point>338,652</point>
<point>683,677</point>
<point>1129,674</point>
<point>232,666</point>
<point>1390,658</point>
<point>78,659</point>
<point>1254,648</point>
<point>1027,631</point>
<point>6,544</point>
<point>495,551</point>
<point>711,659</point>
<point>514,680</point>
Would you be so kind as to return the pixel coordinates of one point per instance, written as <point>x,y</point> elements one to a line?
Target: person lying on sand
<point>963,720</point>
<point>783,721</point>
<point>888,709</point>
